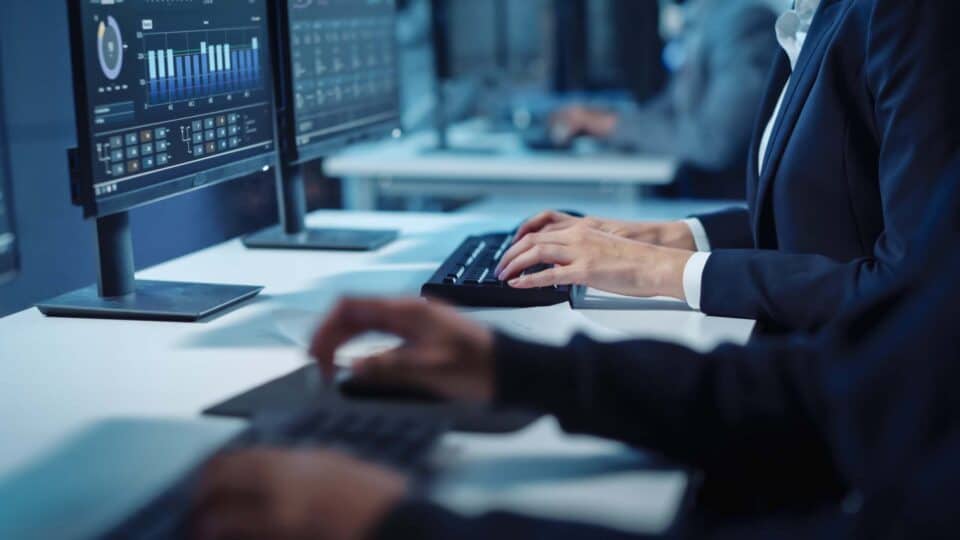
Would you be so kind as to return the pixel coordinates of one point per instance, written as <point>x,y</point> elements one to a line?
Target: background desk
<point>408,167</point>
<point>60,376</point>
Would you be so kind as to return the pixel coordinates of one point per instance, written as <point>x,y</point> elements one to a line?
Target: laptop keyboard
<point>402,441</point>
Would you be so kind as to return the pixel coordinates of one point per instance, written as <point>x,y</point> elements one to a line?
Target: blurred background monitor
<point>340,74</point>
<point>8,238</point>
<point>338,86</point>
<point>492,52</point>
<point>608,46</point>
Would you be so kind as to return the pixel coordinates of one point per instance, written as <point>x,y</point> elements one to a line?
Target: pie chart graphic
<point>110,48</point>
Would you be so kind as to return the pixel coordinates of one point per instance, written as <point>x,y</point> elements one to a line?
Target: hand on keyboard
<point>468,277</point>
<point>675,234</point>
<point>443,352</point>
<point>293,494</point>
<point>582,255</point>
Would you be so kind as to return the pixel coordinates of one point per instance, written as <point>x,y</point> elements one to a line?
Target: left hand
<point>293,495</point>
<point>582,255</point>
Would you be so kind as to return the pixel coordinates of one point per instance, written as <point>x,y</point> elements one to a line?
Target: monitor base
<point>321,239</point>
<point>151,301</point>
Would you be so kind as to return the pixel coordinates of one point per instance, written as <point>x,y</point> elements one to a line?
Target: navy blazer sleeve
<point>728,229</point>
<point>705,410</point>
<point>913,74</point>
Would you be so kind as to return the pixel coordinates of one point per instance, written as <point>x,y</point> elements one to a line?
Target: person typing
<point>858,119</point>
<point>719,53</point>
<point>848,433</point>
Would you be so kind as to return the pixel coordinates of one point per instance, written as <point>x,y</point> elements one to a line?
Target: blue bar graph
<point>197,83</point>
<point>181,80</point>
<point>235,72</point>
<point>211,70</point>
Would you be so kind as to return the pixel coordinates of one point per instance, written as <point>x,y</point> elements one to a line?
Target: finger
<point>536,223</point>
<point>352,317</point>
<point>541,254</point>
<point>528,243</point>
<point>392,372</point>
<point>418,370</point>
<point>548,278</point>
<point>560,225</point>
<point>517,248</point>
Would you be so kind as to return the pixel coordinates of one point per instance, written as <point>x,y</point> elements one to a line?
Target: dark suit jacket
<point>870,117</point>
<point>860,423</point>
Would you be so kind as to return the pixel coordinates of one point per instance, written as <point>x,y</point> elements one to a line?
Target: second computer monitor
<point>8,239</point>
<point>338,86</point>
<point>342,84</point>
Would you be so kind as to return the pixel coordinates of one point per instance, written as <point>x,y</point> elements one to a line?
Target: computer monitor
<point>609,46</point>
<point>8,237</point>
<point>170,97</point>
<point>339,86</point>
<point>492,54</point>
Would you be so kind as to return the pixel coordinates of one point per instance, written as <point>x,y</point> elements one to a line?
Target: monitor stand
<point>117,295</point>
<point>293,233</point>
<point>442,129</point>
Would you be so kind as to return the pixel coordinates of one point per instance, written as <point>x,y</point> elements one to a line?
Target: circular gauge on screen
<point>110,48</point>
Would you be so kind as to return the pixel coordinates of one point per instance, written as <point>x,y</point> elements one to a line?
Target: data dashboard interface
<point>344,67</point>
<point>174,88</point>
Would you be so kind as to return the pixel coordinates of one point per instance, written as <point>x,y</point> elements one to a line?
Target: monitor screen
<point>343,65</point>
<point>171,96</point>
<point>8,238</point>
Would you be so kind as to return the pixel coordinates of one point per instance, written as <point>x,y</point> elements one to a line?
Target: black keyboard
<point>401,441</point>
<point>468,278</point>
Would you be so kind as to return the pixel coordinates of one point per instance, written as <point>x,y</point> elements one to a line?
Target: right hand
<point>443,352</point>
<point>577,120</point>
<point>317,494</point>
<point>672,234</point>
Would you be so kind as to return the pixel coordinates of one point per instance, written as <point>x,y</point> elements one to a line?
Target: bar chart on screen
<point>198,65</point>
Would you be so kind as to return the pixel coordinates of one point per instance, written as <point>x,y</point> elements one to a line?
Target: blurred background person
<point>719,53</point>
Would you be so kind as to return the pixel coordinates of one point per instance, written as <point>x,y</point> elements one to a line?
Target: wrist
<point>677,235</point>
<point>527,374</point>
<point>670,266</point>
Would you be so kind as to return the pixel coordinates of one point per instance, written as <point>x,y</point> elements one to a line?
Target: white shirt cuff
<point>700,238</point>
<point>693,278</point>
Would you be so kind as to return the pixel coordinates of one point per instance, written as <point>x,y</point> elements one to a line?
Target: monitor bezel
<point>80,164</point>
<point>290,152</point>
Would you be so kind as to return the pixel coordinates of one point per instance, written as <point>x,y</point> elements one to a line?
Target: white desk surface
<point>59,377</point>
<point>409,158</point>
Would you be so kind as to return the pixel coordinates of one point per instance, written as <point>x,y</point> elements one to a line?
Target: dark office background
<point>615,45</point>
